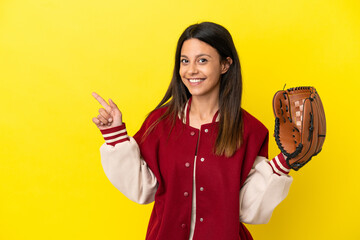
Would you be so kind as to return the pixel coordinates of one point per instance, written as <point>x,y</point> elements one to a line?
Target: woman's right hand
<point>109,116</point>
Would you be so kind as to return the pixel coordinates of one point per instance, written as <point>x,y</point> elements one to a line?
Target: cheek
<point>214,72</point>
<point>181,71</point>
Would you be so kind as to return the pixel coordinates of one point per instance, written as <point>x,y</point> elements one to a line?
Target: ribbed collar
<point>216,117</point>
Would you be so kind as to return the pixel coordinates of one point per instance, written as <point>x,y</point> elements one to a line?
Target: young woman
<point>198,155</point>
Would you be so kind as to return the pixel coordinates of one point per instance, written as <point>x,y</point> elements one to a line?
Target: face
<point>201,68</point>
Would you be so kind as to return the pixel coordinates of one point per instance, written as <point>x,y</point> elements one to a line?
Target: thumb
<point>112,104</point>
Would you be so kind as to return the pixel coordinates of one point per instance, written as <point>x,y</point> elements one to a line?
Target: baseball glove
<point>300,124</point>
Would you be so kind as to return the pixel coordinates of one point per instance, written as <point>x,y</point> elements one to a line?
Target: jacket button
<point>186,194</point>
<point>206,130</point>
<point>192,133</point>
<point>187,164</point>
<point>202,159</point>
<point>201,219</point>
<point>201,189</point>
<point>183,225</point>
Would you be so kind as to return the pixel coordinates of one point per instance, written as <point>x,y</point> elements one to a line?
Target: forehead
<point>194,47</point>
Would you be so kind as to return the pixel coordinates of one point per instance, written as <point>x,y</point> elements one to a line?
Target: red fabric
<point>217,204</point>
<point>273,169</point>
<point>283,161</point>
<point>279,168</point>
<point>114,130</point>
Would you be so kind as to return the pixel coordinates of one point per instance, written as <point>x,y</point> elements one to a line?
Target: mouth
<point>196,80</point>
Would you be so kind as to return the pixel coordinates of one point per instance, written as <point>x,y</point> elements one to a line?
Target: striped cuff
<point>279,165</point>
<point>115,135</point>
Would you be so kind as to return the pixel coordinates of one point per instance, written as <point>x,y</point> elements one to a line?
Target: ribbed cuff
<point>279,165</point>
<point>115,135</point>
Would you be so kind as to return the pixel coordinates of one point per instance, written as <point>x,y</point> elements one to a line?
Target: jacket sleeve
<point>267,184</point>
<point>125,168</point>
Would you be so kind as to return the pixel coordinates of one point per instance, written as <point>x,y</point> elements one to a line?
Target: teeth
<point>195,80</point>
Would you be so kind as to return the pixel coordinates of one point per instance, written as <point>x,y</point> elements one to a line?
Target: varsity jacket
<point>197,194</point>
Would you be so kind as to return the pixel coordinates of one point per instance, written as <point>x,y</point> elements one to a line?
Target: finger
<point>103,121</point>
<point>96,121</point>
<point>101,101</point>
<point>112,104</point>
<point>105,114</point>
<point>114,107</point>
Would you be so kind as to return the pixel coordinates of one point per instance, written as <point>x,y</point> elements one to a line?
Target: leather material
<point>300,124</point>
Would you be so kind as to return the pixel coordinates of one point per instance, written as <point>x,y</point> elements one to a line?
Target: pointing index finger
<point>102,101</point>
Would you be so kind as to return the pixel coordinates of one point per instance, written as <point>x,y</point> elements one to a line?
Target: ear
<point>225,65</point>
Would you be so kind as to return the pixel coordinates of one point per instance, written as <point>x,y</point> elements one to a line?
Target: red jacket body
<point>219,179</point>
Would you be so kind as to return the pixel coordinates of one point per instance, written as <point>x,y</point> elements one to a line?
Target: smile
<point>196,80</point>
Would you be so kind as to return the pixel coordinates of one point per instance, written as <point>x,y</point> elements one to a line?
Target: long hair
<point>230,132</point>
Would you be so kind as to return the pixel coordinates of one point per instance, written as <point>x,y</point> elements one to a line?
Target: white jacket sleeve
<point>127,171</point>
<point>265,187</point>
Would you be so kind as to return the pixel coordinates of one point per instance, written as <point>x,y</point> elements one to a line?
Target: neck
<point>202,110</point>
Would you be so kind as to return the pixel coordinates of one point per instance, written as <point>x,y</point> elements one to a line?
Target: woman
<point>199,155</point>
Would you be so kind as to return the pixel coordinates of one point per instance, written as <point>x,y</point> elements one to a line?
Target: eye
<point>184,60</point>
<point>202,60</point>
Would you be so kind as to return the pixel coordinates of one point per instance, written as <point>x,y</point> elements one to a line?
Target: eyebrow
<point>199,55</point>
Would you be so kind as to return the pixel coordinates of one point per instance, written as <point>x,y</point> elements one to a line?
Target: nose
<point>193,68</point>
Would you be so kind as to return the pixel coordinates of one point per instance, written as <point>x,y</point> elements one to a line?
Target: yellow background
<point>53,54</point>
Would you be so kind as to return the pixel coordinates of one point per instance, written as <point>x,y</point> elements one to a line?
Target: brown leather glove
<point>300,124</point>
